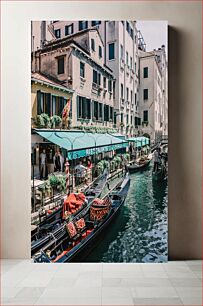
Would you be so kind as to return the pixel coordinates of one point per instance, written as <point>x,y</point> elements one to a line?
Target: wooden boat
<point>54,230</point>
<point>56,214</point>
<point>160,174</point>
<point>141,164</point>
<point>93,222</point>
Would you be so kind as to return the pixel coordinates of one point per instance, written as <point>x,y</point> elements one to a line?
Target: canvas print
<point>99,141</point>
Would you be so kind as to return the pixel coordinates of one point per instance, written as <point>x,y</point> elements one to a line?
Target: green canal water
<point>139,231</point>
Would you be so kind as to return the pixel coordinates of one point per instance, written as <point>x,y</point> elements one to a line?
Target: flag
<point>66,110</point>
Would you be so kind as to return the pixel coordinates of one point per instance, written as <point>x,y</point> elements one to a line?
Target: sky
<point>154,32</point>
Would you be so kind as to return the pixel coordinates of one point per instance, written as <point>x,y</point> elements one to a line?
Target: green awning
<point>81,144</point>
<point>139,141</point>
<point>118,135</point>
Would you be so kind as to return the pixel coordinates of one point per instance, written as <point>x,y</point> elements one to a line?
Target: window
<point>122,91</point>
<point>83,108</point>
<point>122,51</point>
<point>127,118</point>
<point>127,57</point>
<point>131,33</point>
<point>100,51</point>
<point>135,98</point>
<point>127,93</point>
<point>62,103</point>
<point>131,62</point>
<point>92,44</point>
<point>82,69</point>
<point>57,33</point>
<point>145,116</point>
<point>121,117</point>
<point>145,94</point>
<point>145,72</point>
<point>95,76</point>
<point>69,29</point>
<point>111,113</point>
<point>114,89</point>
<point>131,96</point>
<point>50,104</point>
<point>61,65</point>
<point>131,119</point>
<point>106,112</point>
<point>83,25</point>
<point>47,104</point>
<point>100,111</point>
<point>104,82</point>
<point>112,51</point>
<point>96,110</point>
<point>99,78</point>
<point>137,121</point>
<point>135,67</point>
<point>110,86</point>
<point>96,22</point>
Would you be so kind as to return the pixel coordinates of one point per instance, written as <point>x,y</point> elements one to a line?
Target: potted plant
<point>61,186</point>
<point>55,121</point>
<point>46,119</point>
<point>39,122</point>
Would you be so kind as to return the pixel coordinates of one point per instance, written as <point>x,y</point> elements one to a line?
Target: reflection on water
<point>139,232</point>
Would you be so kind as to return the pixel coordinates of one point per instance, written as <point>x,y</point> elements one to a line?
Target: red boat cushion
<point>80,224</point>
<point>71,229</point>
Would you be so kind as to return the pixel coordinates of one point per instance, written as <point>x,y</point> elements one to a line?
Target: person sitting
<point>80,172</point>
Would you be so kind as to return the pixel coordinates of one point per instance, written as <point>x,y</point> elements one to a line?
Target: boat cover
<point>72,203</point>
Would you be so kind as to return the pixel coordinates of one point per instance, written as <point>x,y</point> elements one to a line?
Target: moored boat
<point>140,164</point>
<point>48,232</point>
<point>159,174</point>
<point>82,232</point>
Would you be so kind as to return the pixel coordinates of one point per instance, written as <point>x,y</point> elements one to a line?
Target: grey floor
<point>174,283</point>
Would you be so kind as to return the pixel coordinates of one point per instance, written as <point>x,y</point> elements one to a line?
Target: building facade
<point>153,93</point>
<point>120,40</point>
<point>47,97</point>
<point>136,97</point>
<point>77,62</point>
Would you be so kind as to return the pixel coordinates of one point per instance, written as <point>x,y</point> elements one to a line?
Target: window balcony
<point>122,102</point>
<point>127,69</point>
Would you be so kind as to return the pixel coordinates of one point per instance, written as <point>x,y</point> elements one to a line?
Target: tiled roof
<point>48,81</point>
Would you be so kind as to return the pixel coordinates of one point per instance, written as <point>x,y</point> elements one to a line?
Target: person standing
<point>58,162</point>
<point>156,160</point>
<point>43,164</point>
<point>89,169</point>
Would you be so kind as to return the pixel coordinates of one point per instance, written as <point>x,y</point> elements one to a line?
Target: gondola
<point>142,164</point>
<point>55,230</point>
<point>159,174</point>
<point>56,214</point>
<point>82,233</point>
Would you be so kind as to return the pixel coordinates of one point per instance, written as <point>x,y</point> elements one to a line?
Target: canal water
<point>139,232</point>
